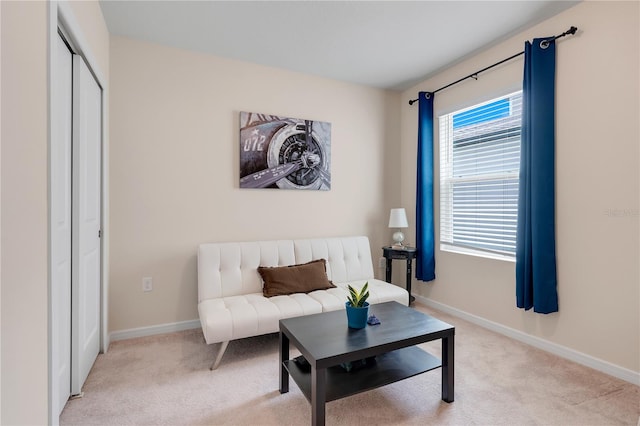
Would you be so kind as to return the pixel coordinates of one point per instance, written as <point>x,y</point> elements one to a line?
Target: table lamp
<point>398,219</point>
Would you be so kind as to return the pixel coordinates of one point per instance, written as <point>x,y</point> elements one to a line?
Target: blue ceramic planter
<point>357,317</point>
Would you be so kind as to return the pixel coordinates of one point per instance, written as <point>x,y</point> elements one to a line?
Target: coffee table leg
<point>447,368</point>
<point>284,355</point>
<point>318,395</point>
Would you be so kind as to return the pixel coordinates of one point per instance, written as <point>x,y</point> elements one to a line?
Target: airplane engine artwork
<point>284,153</point>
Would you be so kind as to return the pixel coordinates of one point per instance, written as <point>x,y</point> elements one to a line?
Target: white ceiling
<point>384,44</point>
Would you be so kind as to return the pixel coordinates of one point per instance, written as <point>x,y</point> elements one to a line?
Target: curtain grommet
<point>544,44</point>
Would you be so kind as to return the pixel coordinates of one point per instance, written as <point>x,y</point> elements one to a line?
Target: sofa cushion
<point>379,292</point>
<point>303,278</point>
<point>237,317</point>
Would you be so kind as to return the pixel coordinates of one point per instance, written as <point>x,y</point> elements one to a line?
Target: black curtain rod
<point>571,31</point>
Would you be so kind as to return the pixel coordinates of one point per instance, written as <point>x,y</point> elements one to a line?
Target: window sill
<point>477,253</point>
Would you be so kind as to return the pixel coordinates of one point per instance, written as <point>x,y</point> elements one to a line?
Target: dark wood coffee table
<point>326,342</point>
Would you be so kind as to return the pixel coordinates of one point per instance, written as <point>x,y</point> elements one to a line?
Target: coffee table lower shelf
<point>390,367</point>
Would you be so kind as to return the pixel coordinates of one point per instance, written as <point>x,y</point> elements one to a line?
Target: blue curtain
<point>425,243</point>
<point>536,283</point>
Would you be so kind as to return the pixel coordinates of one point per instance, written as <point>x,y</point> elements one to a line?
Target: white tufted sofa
<point>230,300</point>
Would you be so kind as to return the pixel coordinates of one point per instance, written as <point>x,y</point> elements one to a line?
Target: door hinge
<point>99,233</point>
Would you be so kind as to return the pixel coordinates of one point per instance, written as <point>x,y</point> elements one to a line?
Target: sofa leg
<point>216,363</point>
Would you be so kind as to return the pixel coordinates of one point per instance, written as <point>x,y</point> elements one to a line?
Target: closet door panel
<point>61,225</point>
<point>86,285</point>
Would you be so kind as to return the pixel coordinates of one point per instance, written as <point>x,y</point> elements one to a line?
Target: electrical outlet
<point>382,262</point>
<point>147,284</point>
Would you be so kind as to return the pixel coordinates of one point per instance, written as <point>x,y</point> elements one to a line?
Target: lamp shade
<point>398,219</point>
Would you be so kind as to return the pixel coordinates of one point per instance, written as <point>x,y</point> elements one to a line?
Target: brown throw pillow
<point>281,280</point>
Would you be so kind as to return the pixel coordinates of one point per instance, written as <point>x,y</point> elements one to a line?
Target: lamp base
<point>398,238</point>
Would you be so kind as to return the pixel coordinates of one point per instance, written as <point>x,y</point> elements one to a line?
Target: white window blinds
<point>479,166</point>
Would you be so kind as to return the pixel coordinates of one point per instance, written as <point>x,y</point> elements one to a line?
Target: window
<point>479,166</point>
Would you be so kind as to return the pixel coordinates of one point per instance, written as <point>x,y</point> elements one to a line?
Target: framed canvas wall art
<point>284,153</point>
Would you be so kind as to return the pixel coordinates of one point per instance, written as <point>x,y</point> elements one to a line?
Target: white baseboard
<point>562,351</point>
<point>154,329</point>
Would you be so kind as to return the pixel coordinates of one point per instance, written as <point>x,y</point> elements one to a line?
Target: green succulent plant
<point>357,298</point>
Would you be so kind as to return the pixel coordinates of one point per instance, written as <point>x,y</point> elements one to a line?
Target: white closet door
<point>61,227</point>
<point>85,287</point>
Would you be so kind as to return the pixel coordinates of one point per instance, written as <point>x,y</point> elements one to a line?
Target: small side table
<point>407,253</point>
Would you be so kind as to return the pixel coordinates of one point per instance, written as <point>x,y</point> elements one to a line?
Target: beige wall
<point>0,220</point>
<point>24,215</point>
<point>174,169</point>
<point>88,15</point>
<point>597,163</point>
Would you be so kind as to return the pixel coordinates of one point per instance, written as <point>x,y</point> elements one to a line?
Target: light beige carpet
<point>165,380</point>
